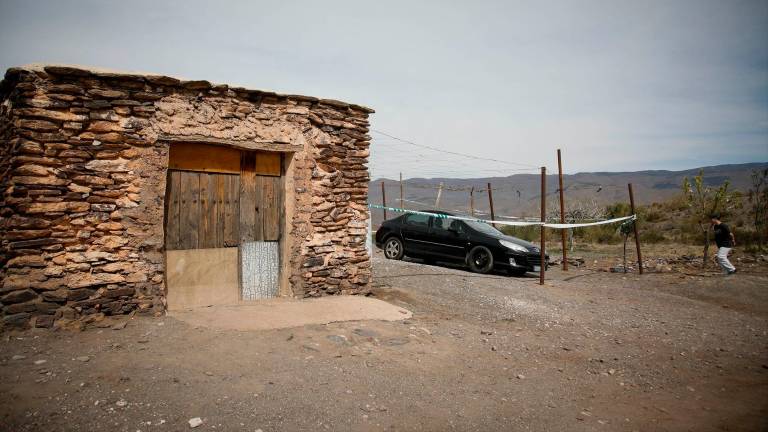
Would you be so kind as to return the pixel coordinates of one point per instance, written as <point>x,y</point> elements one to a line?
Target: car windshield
<point>483,227</point>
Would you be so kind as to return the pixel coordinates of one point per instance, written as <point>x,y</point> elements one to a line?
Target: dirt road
<point>589,351</point>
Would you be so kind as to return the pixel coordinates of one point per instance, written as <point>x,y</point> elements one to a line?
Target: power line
<point>452,152</point>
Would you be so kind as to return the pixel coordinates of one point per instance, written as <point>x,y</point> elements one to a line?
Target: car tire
<point>480,259</point>
<point>393,249</point>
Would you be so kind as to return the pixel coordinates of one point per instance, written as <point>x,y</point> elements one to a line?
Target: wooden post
<point>383,200</point>
<point>439,195</point>
<point>402,201</point>
<point>634,227</point>
<point>562,211</point>
<point>543,219</point>
<point>472,201</point>
<point>490,203</point>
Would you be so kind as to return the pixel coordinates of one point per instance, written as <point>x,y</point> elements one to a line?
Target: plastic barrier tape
<point>511,223</point>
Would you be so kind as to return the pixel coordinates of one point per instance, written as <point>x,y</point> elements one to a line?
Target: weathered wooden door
<point>223,219</point>
<point>260,221</point>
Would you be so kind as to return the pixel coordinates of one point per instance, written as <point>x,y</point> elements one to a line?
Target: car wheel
<point>393,248</point>
<point>480,259</point>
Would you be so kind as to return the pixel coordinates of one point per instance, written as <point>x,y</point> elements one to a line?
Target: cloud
<point>616,84</point>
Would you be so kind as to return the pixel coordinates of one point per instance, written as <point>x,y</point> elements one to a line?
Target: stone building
<point>130,192</point>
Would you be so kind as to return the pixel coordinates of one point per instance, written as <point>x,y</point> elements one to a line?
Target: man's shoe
<point>730,272</point>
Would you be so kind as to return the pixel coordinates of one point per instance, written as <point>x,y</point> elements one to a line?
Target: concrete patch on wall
<point>202,277</point>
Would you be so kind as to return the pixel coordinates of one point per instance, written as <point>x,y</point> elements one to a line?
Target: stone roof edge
<point>152,78</point>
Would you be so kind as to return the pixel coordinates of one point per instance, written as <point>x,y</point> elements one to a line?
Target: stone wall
<point>83,162</point>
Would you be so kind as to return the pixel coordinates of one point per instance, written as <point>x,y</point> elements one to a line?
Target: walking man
<point>725,242</point>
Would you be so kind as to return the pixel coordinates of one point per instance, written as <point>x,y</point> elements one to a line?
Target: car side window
<point>441,223</point>
<point>417,220</point>
<point>446,224</point>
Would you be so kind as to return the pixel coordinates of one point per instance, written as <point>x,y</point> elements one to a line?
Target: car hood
<point>530,246</point>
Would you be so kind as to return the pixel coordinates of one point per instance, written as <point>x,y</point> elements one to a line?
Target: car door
<point>448,238</point>
<point>415,231</point>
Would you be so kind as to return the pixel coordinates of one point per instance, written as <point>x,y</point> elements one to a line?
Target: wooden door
<point>260,220</point>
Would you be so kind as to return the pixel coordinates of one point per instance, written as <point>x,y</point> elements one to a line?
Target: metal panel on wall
<point>259,269</point>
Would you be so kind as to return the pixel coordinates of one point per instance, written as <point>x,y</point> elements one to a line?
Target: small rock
<point>18,357</point>
<point>520,376</point>
<point>195,422</point>
<point>121,403</point>
<point>39,362</point>
<point>83,359</point>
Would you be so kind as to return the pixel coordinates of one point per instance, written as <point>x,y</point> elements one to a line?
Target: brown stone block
<point>66,88</point>
<point>107,94</point>
<point>57,207</point>
<point>43,321</point>
<point>60,295</point>
<point>37,125</point>
<point>20,320</point>
<point>20,160</point>
<point>18,296</point>
<point>32,170</point>
<point>20,307</point>
<point>62,116</point>
<point>25,244</point>
<point>79,294</point>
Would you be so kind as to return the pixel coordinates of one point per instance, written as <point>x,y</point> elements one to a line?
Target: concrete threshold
<point>286,313</point>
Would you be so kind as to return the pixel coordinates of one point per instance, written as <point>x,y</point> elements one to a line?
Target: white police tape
<point>510,223</point>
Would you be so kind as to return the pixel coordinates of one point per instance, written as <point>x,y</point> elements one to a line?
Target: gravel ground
<point>588,351</point>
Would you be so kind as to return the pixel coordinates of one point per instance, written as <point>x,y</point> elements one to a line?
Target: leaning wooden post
<point>562,211</point>
<point>402,202</point>
<point>543,265</point>
<point>439,195</point>
<point>490,203</point>
<point>634,227</point>
<point>472,201</point>
<point>384,200</point>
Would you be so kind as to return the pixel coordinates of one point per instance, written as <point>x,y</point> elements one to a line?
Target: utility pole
<point>402,202</point>
<point>490,203</point>
<point>562,210</point>
<point>543,265</point>
<point>439,194</point>
<point>472,201</point>
<point>634,227</point>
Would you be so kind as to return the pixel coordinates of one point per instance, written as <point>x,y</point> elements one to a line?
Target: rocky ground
<point>590,350</point>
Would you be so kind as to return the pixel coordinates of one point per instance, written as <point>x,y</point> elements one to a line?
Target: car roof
<point>437,212</point>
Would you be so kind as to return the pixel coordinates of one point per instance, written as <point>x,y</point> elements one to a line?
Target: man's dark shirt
<point>723,236</point>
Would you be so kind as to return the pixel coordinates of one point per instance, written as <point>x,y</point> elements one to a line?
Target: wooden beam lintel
<point>270,146</point>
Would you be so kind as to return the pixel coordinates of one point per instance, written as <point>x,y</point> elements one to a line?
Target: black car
<point>436,238</point>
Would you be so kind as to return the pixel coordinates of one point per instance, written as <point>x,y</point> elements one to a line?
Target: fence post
<point>472,201</point>
<point>543,265</point>
<point>634,227</point>
<point>384,200</point>
<point>490,203</point>
<point>402,202</point>
<point>562,210</point>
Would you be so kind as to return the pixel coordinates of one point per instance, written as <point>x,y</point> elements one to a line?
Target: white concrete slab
<point>286,313</point>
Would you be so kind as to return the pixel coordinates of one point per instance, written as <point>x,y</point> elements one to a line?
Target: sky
<point>617,85</point>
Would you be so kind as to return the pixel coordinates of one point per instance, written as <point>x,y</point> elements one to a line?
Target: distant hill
<point>603,187</point>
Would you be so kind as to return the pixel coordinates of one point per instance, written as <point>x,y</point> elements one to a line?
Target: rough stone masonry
<point>83,168</point>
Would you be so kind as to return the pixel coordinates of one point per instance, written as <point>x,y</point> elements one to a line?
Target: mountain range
<point>519,194</point>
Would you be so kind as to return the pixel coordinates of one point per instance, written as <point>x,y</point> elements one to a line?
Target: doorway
<point>222,225</point>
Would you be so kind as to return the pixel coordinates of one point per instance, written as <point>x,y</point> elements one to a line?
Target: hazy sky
<point>618,85</point>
